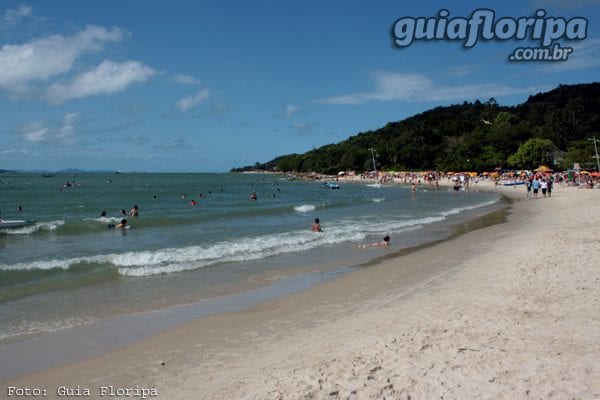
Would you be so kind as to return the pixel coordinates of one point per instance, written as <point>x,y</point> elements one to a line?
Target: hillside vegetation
<point>549,128</point>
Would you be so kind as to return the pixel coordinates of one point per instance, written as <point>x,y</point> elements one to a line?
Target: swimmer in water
<point>385,242</point>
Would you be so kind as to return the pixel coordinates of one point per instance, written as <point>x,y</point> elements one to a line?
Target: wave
<point>458,210</point>
<point>37,227</point>
<point>170,260</point>
<point>305,208</point>
<point>154,262</point>
<point>378,200</point>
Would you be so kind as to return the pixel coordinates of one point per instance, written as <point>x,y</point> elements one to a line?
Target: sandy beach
<point>504,312</point>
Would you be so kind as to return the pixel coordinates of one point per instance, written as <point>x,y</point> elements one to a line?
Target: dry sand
<point>511,311</point>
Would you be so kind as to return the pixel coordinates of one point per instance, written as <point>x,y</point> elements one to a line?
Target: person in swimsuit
<point>385,242</point>
<point>120,225</point>
<point>316,227</point>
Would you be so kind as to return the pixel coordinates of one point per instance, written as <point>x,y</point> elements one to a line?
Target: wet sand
<point>507,311</point>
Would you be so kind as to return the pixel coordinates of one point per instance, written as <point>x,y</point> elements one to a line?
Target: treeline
<point>550,128</point>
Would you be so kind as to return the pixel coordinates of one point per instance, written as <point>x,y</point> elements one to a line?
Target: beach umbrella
<point>595,174</point>
<point>584,172</point>
<point>341,173</point>
<point>543,168</point>
<point>473,173</point>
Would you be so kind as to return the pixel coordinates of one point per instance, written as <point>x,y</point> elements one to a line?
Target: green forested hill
<point>470,136</point>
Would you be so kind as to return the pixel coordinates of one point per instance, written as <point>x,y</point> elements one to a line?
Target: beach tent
<point>543,168</point>
<point>341,173</point>
<point>595,174</point>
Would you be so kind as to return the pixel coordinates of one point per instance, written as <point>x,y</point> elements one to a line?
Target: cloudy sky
<point>210,85</point>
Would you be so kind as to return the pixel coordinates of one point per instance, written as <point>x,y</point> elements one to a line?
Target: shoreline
<point>36,352</point>
<point>338,334</point>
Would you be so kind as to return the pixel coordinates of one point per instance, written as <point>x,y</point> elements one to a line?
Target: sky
<point>206,86</point>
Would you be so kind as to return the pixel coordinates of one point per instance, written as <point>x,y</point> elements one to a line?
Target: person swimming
<point>121,225</point>
<point>383,243</point>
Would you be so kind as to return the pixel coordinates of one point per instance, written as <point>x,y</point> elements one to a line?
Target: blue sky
<point>205,86</point>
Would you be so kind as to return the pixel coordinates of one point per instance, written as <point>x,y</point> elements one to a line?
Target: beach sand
<point>510,311</point>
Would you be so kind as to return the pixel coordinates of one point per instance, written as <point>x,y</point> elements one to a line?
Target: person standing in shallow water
<point>134,211</point>
<point>316,227</point>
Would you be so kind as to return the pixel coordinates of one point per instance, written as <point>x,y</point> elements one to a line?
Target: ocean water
<point>70,269</point>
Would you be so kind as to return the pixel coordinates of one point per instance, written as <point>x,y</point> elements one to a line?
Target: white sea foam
<point>170,260</point>
<point>27,327</point>
<point>378,200</point>
<point>305,208</point>
<point>104,220</point>
<point>38,226</point>
<point>458,210</point>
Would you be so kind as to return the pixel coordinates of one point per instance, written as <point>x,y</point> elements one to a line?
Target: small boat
<point>513,183</point>
<point>17,223</point>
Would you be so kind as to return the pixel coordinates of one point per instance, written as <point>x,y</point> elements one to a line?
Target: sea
<point>198,237</point>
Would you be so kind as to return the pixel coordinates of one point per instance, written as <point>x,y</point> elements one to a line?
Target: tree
<point>582,152</point>
<point>533,153</point>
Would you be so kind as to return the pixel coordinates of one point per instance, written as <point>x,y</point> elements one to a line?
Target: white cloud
<point>66,131</point>
<point>22,153</point>
<point>285,111</point>
<point>185,80</point>
<point>107,78</point>
<point>13,16</point>
<point>189,102</point>
<point>34,131</point>
<point>390,86</point>
<point>290,110</point>
<point>586,54</point>
<point>47,131</point>
<point>43,58</point>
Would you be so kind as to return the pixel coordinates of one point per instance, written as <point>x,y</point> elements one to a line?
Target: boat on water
<point>16,223</point>
<point>513,183</point>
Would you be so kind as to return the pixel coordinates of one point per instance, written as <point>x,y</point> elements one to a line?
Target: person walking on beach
<point>536,187</point>
<point>544,186</point>
<point>316,227</point>
<point>528,184</point>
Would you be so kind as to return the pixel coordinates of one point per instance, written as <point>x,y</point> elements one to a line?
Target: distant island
<point>551,128</point>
